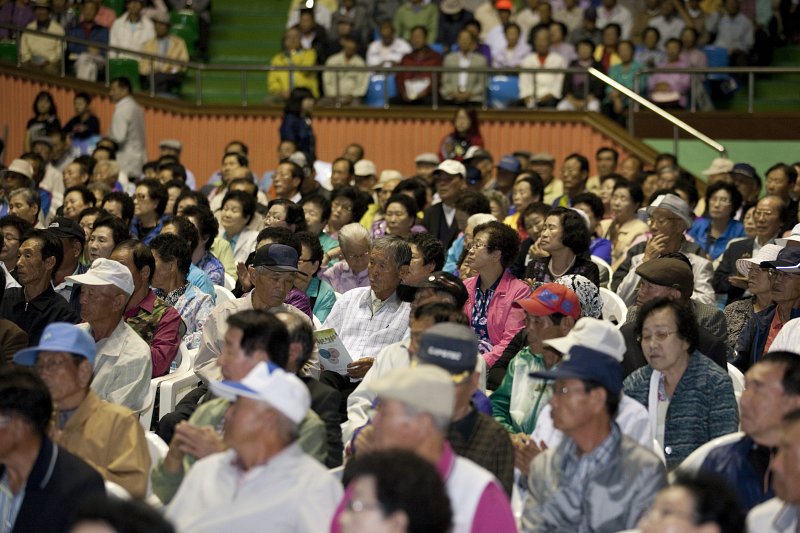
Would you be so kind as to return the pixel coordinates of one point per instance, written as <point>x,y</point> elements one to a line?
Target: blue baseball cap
<point>277,257</point>
<point>589,364</point>
<point>510,163</point>
<point>59,337</point>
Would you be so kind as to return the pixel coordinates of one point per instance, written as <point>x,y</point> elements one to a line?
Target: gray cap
<point>673,203</point>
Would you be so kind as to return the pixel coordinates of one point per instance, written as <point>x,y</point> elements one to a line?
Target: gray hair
<point>394,247</point>
<point>353,233</point>
<point>30,196</point>
<point>480,218</point>
<point>500,198</point>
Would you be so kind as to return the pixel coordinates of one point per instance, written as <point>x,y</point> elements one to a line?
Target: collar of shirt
<point>446,461</point>
<point>576,468</point>
<point>41,302</point>
<point>147,304</point>
<point>112,345</point>
<point>787,518</point>
<point>171,297</point>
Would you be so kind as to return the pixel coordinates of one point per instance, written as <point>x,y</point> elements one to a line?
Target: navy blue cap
<point>746,170</point>
<point>277,257</point>
<point>510,163</point>
<point>589,364</point>
<point>788,258</point>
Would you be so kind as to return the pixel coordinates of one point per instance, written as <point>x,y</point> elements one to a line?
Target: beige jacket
<point>176,50</point>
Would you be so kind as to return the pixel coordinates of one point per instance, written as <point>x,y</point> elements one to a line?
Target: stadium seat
<point>128,68</point>
<point>117,5</point>
<point>186,17</point>
<point>188,35</point>
<point>8,51</point>
<point>375,92</point>
<point>503,91</point>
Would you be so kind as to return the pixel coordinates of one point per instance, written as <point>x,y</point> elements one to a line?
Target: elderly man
<point>369,318</point>
<point>252,338</point>
<point>36,304</point>
<point>167,76</point>
<point>671,276</point>
<point>158,324</point>
<point>272,274</point>
<point>574,175</point>
<point>107,436</point>
<point>72,238</point>
<point>38,51</point>
<point>41,484</point>
<point>769,215</point>
<point>782,513</point>
<point>440,219</point>
<point>551,311</point>
<point>264,481</point>
<point>772,390</point>
<point>669,217</point>
<point>415,408</point>
<point>597,478</point>
<point>762,328</point>
<point>123,365</point>
<point>631,417</point>
<point>441,288</point>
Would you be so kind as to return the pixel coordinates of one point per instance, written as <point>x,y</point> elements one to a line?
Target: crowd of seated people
<point>566,332</point>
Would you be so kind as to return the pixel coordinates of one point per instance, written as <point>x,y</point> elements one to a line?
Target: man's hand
<point>358,369</point>
<point>738,281</point>
<point>525,450</point>
<point>193,440</point>
<point>244,277</point>
<point>655,247</point>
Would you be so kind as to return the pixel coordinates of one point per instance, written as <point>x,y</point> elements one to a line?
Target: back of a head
<point>262,331</point>
<point>715,501</point>
<point>121,516</point>
<point>24,394</point>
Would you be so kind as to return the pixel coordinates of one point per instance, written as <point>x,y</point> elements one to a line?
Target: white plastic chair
<point>158,450</point>
<point>117,491</point>
<point>614,309</point>
<point>179,383</point>
<point>223,294</point>
<point>692,464</point>
<point>604,267</point>
<point>230,282</point>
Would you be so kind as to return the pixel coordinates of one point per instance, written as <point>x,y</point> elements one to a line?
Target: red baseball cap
<point>551,298</point>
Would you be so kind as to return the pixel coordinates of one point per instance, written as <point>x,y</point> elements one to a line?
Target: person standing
<point>127,128</point>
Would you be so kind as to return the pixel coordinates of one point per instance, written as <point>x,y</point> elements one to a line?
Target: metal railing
<point>244,70</point>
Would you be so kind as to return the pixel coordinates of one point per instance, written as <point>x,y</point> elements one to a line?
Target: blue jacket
<point>700,230</point>
<point>730,463</point>
<point>750,346</point>
<point>703,406</point>
<point>296,128</point>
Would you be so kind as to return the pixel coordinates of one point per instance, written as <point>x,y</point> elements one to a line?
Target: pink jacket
<point>505,318</point>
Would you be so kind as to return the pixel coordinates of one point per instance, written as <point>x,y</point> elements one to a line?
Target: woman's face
<point>479,256</point>
<point>650,40</point>
<point>687,38</point>
<point>462,122</point>
<point>521,195</point>
<point>586,209</point>
<point>87,223</point>
<point>625,52</point>
<point>143,205</point>
<point>80,104</point>
<point>10,252</point>
<point>233,219</point>
<point>622,205</point>
<point>672,511</point>
<point>101,243</point>
<point>307,105</point>
<point>183,204</point>
<point>43,105</point>
<point>363,513</point>
<point>341,212</point>
<point>172,195</point>
<point>750,222</point>
<point>552,234</point>
<point>758,281</point>
<point>398,220</point>
<point>719,205</point>
<point>663,347</point>
<point>606,190</point>
<point>276,217</point>
<point>497,211</point>
<point>73,205</point>
<point>313,214</point>
<point>512,36</point>
<point>417,269</point>
<point>533,225</point>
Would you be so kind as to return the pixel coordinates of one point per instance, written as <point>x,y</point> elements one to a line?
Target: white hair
<point>480,218</point>
<point>353,233</point>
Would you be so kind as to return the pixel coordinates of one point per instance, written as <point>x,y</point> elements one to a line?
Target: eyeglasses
<point>780,274</point>
<point>477,245</point>
<point>355,257</point>
<point>343,207</point>
<point>49,365</point>
<point>358,506</point>
<point>563,391</point>
<point>723,200</point>
<point>661,221</point>
<point>301,260</point>
<point>659,336</point>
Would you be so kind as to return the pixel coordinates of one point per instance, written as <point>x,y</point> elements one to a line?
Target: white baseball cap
<point>106,272</point>
<point>269,383</point>
<point>795,236</point>
<point>453,167</point>
<point>20,166</point>
<point>599,335</point>
<point>365,167</point>
<point>768,252</point>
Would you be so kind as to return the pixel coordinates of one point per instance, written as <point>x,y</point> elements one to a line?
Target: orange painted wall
<point>389,142</point>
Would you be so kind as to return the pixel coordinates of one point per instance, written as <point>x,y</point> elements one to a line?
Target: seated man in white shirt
<point>123,365</point>
<point>369,318</point>
<point>389,49</point>
<point>264,481</point>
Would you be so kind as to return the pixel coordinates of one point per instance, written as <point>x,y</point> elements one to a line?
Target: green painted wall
<point>696,156</point>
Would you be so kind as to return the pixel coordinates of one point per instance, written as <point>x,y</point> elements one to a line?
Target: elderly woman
<point>238,209</point>
<point>738,313</point>
<point>714,231</point>
<point>493,291</point>
<point>149,204</point>
<point>208,227</point>
<point>283,213</point>
<point>26,204</point>
<point>400,218</point>
<point>320,294</point>
<point>352,272</point>
<point>566,238</point>
<point>108,231</point>
<point>625,227</point>
<point>689,398</point>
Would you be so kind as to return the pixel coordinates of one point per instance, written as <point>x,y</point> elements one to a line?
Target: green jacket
<point>312,440</point>
<point>517,408</point>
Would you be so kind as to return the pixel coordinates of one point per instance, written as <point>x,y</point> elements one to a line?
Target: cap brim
<point>562,344</point>
<point>557,374</point>
<point>535,307</point>
<point>279,268</point>
<point>743,266</point>
<point>230,390</point>
<point>27,357</point>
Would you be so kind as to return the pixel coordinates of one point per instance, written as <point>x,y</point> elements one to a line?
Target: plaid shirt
<point>483,441</point>
<point>577,469</point>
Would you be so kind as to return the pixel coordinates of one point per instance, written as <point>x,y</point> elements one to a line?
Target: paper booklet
<point>333,355</point>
